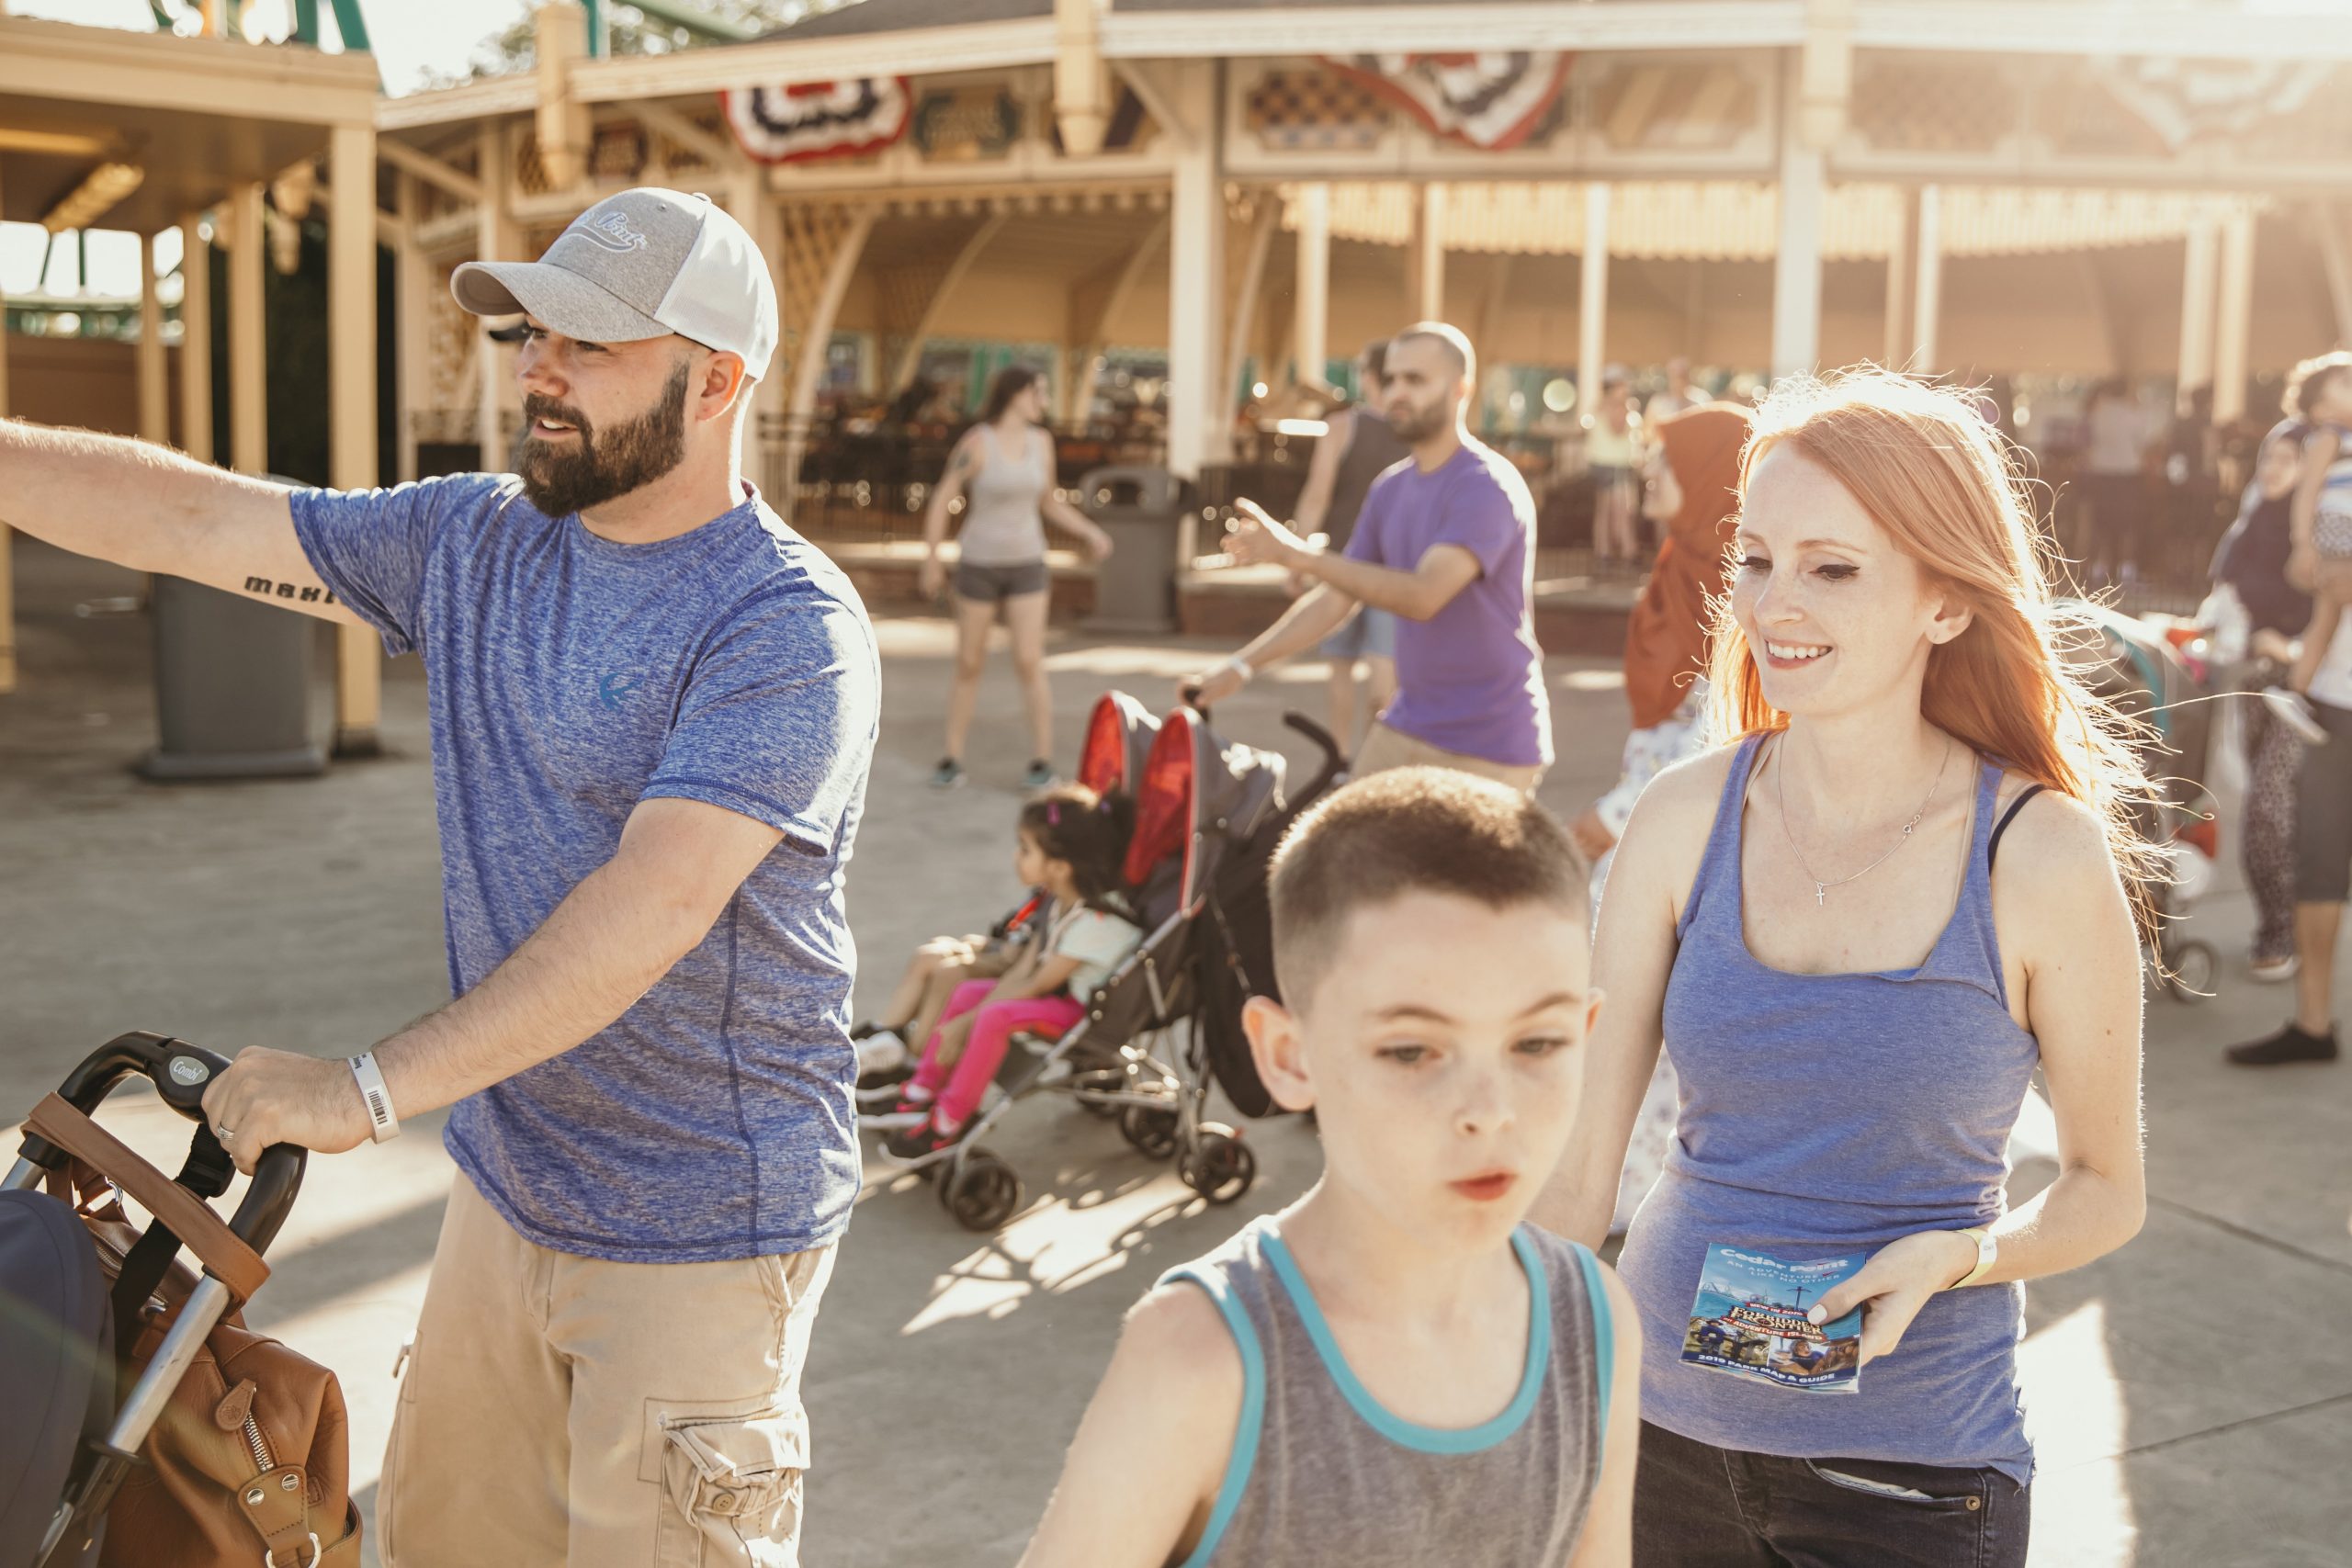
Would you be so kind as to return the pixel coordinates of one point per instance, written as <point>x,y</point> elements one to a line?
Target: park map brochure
<point>1748,1319</point>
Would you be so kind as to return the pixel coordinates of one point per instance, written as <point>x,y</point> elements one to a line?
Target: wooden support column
<point>154,385</point>
<point>2235,325</point>
<point>771,398</point>
<point>7,566</point>
<point>1312,352</point>
<point>1427,264</point>
<point>1796,269</point>
<point>248,334</point>
<point>1895,335</point>
<point>1592,302</point>
<point>1197,405</point>
<point>1268,219</point>
<point>196,340</point>
<point>351,407</point>
<point>1492,309</point>
<point>1927,290</point>
<point>411,296</point>
<point>2199,283</point>
<point>493,240</point>
<point>2335,260</point>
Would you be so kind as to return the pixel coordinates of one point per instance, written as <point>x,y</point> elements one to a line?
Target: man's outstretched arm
<point>152,509</point>
<point>614,935</point>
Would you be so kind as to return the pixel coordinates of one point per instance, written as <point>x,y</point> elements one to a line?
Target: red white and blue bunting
<point>819,119</point>
<point>1489,101</point>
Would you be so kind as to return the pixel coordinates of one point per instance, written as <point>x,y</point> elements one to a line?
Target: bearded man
<point>1445,542</point>
<point>653,707</point>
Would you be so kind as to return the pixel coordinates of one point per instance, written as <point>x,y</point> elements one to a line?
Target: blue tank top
<point>1830,1113</point>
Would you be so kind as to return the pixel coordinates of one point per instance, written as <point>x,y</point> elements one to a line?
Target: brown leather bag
<point>250,1462</point>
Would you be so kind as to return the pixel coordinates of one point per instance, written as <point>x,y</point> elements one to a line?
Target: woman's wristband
<point>1987,1252</point>
<point>1243,667</point>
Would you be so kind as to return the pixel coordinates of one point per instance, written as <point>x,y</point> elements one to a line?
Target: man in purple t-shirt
<point>1445,542</point>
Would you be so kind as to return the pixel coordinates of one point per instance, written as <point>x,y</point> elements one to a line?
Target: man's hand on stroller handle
<point>268,1098</point>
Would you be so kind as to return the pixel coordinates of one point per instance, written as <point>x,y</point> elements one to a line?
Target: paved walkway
<point>2191,1396</point>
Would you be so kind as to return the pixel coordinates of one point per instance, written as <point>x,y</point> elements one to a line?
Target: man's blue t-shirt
<point>571,677</point>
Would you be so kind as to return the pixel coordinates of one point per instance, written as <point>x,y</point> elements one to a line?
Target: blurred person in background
<point>2255,613</point>
<point>1679,393</point>
<point>1003,469</point>
<point>2114,482</point>
<point>1690,489</point>
<point>1612,453</point>
<point>1357,447</point>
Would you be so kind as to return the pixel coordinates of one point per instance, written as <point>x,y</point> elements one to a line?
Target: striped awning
<point>1739,220</point>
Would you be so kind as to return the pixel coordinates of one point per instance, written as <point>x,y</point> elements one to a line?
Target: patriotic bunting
<point>1489,101</point>
<point>819,119</point>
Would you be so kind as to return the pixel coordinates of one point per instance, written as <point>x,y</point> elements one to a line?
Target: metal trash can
<point>1142,510</point>
<point>232,687</point>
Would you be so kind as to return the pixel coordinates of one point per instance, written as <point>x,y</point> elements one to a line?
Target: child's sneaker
<point>890,1088</point>
<point>879,1053</point>
<point>2294,710</point>
<point>921,1140</point>
<point>893,1120</point>
<point>949,774</point>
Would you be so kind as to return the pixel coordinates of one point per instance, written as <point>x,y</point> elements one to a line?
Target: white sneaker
<point>891,1121</point>
<point>2294,710</point>
<point>2270,971</point>
<point>880,1052</point>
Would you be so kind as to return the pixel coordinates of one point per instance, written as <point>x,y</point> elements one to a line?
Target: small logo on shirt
<point>613,232</point>
<point>610,689</point>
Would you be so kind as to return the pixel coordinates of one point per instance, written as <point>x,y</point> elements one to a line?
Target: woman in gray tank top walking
<point>1003,471</point>
<point>1855,1000</point>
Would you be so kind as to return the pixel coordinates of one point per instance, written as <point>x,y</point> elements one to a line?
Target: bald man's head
<point>1431,369</point>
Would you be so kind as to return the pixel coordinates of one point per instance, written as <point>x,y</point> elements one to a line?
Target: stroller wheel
<point>980,1191</point>
<point>1220,1167</point>
<point>2193,965</point>
<point>1151,1131</point>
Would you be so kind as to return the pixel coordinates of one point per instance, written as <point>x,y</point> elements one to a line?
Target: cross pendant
<point>1821,894</point>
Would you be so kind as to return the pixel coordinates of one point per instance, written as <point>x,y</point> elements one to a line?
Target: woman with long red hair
<point>1911,880</point>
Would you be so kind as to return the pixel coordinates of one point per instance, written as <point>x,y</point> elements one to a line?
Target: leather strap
<point>277,1502</point>
<point>225,1255</point>
<point>207,1173</point>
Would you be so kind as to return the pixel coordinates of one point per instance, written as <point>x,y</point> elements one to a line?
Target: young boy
<point>1394,1369</point>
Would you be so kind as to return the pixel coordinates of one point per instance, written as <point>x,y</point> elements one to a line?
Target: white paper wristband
<point>382,1125</point>
<point>1243,667</point>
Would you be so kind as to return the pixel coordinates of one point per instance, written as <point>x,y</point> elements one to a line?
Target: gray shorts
<point>2323,814</point>
<point>1371,633</point>
<point>995,584</point>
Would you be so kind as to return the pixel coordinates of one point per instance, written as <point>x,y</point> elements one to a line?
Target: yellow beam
<point>196,340</point>
<point>154,389</point>
<point>719,154</point>
<point>430,170</point>
<point>7,567</point>
<point>248,382</point>
<point>911,355</point>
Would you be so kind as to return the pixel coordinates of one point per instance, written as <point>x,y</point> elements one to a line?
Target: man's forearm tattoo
<point>299,592</point>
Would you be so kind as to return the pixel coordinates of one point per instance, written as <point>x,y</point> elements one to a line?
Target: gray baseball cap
<point>643,264</point>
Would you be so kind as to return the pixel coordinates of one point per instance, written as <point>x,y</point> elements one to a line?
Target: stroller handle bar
<point>1333,759</point>
<point>181,1073</point>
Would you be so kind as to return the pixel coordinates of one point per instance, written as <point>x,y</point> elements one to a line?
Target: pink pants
<point>992,1033</point>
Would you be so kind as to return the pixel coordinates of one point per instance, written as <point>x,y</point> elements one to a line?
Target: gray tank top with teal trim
<point>1003,526</point>
<point>1824,1114</point>
<point>1321,1472</point>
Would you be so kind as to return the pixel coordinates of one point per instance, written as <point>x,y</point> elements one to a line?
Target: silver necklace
<point>1820,888</point>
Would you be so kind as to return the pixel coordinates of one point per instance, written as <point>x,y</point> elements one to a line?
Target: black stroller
<point>70,1443</point>
<point>1167,1021</point>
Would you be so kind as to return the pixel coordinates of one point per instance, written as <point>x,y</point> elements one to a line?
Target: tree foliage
<point>632,32</point>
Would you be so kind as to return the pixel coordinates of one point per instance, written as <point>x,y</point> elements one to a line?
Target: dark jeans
<point>1696,1506</point>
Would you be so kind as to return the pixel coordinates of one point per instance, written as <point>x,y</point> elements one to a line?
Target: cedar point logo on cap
<point>611,231</point>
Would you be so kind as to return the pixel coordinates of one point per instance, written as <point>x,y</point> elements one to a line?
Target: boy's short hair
<point>1410,830</point>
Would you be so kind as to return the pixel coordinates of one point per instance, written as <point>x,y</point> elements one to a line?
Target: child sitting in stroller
<point>933,974</point>
<point>1071,843</point>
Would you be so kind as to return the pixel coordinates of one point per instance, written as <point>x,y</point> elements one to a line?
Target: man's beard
<point>1411,424</point>
<point>562,477</point>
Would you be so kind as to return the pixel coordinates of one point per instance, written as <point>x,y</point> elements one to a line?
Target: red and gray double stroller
<point>1167,1025</point>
